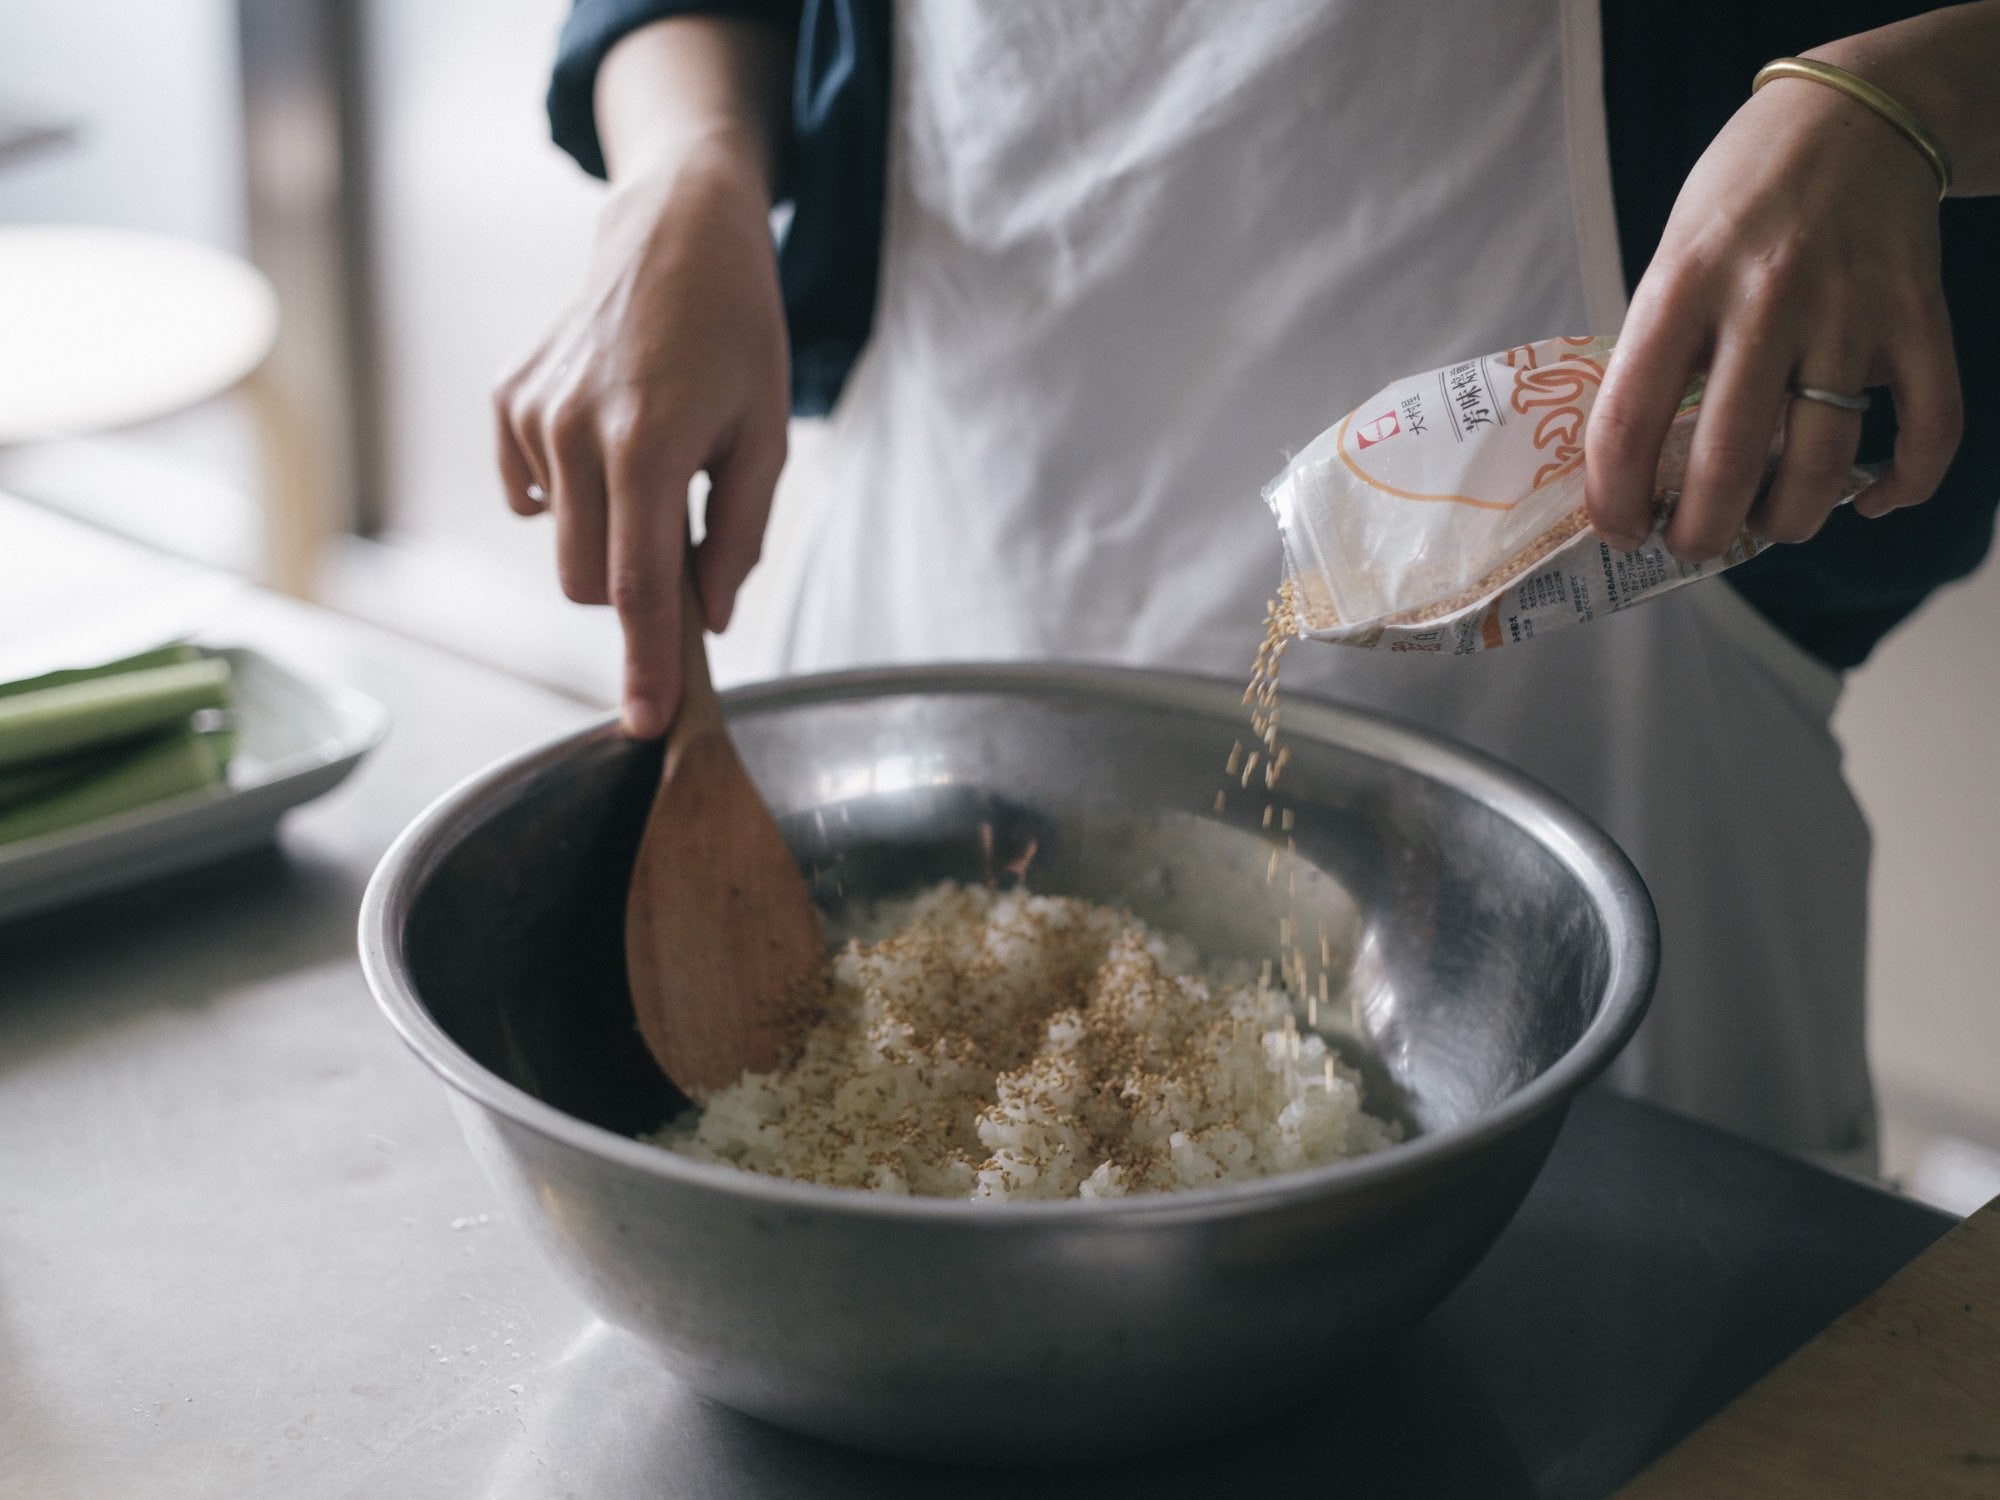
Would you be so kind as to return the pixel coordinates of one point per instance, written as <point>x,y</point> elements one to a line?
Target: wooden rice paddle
<point>722,942</point>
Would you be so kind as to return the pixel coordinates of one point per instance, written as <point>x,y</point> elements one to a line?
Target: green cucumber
<point>159,656</point>
<point>177,764</point>
<point>44,722</point>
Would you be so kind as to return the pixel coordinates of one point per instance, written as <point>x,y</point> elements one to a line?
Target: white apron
<point>1138,253</point>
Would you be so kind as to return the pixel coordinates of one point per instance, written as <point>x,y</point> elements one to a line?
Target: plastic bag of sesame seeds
<point>1446,513</point>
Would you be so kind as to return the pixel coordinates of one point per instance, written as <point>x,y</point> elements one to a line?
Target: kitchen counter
<point>243,1250</point>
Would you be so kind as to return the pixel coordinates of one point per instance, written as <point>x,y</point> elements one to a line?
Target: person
<point>1073,280</point>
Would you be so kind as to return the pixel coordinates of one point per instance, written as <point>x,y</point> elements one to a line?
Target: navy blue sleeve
<point>837,169</point>
<point>594,27</point>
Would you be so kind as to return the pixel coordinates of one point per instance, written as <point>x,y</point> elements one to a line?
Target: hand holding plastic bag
<point>1446,513</point>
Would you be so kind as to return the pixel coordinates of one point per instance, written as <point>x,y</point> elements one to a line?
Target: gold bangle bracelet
<point>1863,92</point>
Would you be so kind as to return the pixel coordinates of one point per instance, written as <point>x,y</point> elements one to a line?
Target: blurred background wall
<point>386,164</point>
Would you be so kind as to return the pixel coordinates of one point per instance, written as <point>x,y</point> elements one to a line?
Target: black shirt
<point>1673,75</point>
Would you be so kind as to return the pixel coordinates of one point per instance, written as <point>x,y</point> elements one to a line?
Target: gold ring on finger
<point>1860,401</point>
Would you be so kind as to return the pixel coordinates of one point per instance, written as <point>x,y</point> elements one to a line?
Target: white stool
<point>102,328</point>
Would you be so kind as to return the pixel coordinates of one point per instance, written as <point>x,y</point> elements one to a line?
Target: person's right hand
<point>672,363</point>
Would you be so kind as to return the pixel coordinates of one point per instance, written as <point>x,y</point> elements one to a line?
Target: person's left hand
<point>1802,251</point>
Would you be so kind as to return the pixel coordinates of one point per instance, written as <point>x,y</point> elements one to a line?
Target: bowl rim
<point>1599,865</point>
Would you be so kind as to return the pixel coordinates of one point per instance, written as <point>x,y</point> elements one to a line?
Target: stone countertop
<point>244,1251</point>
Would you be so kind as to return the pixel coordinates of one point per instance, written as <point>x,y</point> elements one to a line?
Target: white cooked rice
<point>991,1045</point>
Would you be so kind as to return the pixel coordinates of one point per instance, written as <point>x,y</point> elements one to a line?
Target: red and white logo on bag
<point>1384,427</point>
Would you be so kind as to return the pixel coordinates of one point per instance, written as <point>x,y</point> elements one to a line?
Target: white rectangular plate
<point>295,740</point>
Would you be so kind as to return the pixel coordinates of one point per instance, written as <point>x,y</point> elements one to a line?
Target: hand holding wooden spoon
<point>723,945</point>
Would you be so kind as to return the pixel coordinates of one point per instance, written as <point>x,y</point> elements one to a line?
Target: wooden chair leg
<point>297,509</point>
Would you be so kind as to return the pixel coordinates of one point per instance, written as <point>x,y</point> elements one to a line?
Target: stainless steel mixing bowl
<point>1500,951</point>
